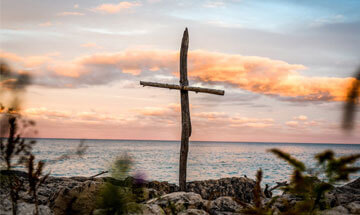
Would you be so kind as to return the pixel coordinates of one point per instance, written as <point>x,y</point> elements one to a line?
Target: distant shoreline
<point>197,141</point>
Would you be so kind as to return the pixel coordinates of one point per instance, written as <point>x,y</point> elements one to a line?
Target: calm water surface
<point>158,160</point>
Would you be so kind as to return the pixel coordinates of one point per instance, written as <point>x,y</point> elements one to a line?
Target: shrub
<point>305,184</point>
<point>118,198</point>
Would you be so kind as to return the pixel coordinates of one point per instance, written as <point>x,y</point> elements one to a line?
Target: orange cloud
<point>10,56</point>
<point>31,61</point>
<point>255,74</point>
<point>265,76</point>
<point>115,8</point>
<point>251,73</point>
<point>293,124</point>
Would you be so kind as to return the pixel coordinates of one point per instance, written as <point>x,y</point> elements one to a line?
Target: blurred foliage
<point>12,80</point>
<point>351,101</point>
<point>119,198</point>
<point>14,148</point>
<point>13,127</point>
<point>258,207</point>
<point>35,178</point>
<point>305,185</point>
<point>12,84</point>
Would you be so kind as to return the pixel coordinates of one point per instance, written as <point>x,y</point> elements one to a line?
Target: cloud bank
<point>255,74</point>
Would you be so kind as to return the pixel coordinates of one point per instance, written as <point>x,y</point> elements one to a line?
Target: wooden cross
<point>185,112</point>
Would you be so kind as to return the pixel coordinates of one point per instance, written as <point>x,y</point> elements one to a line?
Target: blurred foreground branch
<point>351,101</point>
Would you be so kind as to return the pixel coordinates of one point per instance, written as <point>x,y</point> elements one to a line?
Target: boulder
<point>162,187</point>
<point>353,207</point>
<point>78,200</point>
<point>5,204</point>
<point>344,195</point>
<point>174,203</point>
<point>240,188</point>
<point>25,208</point>
<point>152,209</point>
<point>29,209</point>
<point>193,212</point>
<point>148,209</point>
<point>339,210</point>
<point>223,204</point>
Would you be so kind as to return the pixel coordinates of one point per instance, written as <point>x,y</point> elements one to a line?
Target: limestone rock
<point>152,209</point>
<point>353,207</point>
<point>162,187</point>
<point>348,193</point>
<point>240,188</point>
<point>178,201</point>
<point>339,210</point>
<point>28,209</point>
<point>76,195</point>
<point>78,200</point>
<point>223,204</point>
<point>193,212</point>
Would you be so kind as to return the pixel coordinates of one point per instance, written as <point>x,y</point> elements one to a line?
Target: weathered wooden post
<point>185,110</point>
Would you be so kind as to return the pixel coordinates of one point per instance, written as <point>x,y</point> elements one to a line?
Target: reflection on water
<point>158,160</point>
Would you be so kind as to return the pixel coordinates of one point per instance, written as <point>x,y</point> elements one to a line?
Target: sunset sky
<point>284,65</point>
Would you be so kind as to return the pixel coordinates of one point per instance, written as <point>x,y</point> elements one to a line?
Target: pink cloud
<point>11,57</point>
<point>26,62</point>
<point>164,122</point>
<point>91,45</point>
<point>255,74</point>
<point>251,122</point>
<point>75,116</point>
<point>210,115</point>
<point>294,124</point>
<point>157,111</point>
<point>302,123</point>
<point>69,13</point>
<point>46,113</point>
<point>45,24</point>
<point>115,8</point>
<point>301,118</point>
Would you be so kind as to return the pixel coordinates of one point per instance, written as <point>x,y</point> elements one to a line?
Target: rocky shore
<point>77,195</point>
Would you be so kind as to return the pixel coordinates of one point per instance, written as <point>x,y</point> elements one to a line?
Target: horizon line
<point>213,141</point>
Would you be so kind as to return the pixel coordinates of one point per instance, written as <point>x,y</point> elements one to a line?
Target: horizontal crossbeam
<point>178,87</point>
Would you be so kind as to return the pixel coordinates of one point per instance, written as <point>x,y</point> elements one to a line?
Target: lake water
<point>158,160</point>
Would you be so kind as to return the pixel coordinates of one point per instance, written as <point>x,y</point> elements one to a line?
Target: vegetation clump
<point>119,198</point>
<point>308,186</point>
